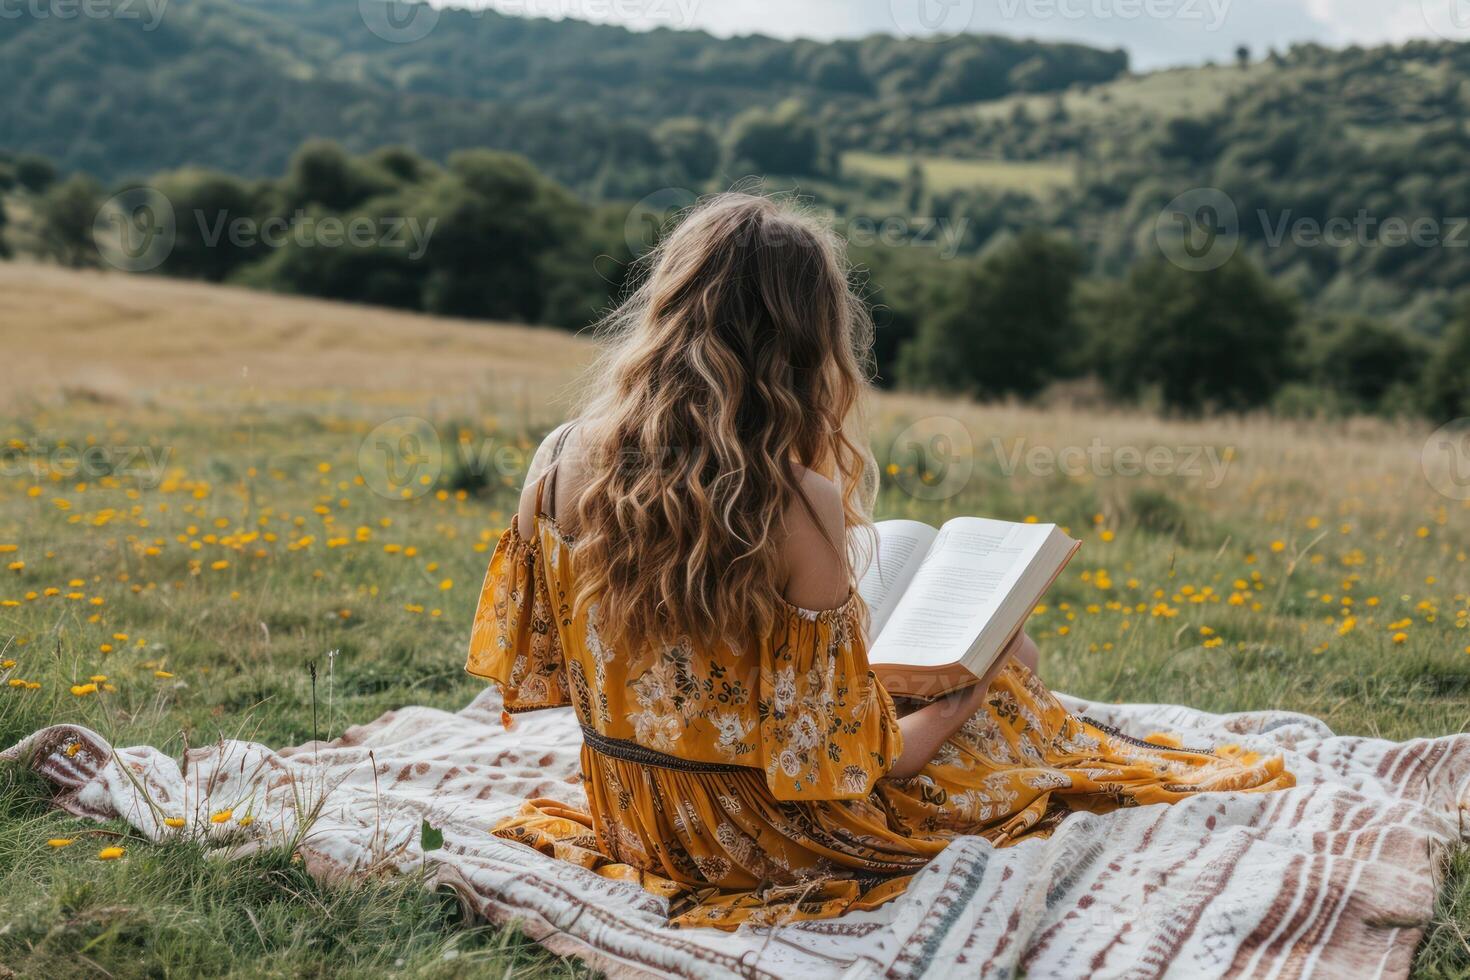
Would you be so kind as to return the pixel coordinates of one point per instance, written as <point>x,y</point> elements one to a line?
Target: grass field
<point>1165,94</point>
<point>1162,95</point>
<point>231,524</point>
<point>1039,178</point>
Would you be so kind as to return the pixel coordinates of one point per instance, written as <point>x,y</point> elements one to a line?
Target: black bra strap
<point>550,474</point>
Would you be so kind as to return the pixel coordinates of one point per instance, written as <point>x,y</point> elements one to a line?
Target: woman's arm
<point>925,730</point>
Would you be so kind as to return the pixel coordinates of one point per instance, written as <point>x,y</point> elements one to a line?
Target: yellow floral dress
<point>746,782</point>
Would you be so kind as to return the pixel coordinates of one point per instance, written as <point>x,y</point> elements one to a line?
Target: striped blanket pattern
<point>1336,877</point>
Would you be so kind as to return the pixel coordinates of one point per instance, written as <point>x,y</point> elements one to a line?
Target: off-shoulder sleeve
<point>515,640</point>
<point>828,728</point>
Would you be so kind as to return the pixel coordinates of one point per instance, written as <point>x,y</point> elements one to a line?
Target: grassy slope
<point>261,551</point>
<point>1161,95</point>
<point>1037,178</point>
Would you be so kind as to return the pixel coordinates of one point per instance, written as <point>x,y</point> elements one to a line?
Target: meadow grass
<point>1194,92</point>
<point>1038,178</point>
<point>1264,564</point>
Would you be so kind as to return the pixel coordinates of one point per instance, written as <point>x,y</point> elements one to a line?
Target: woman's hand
<point>925,730</point>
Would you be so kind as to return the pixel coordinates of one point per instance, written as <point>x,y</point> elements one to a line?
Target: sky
<point>1156,33</point>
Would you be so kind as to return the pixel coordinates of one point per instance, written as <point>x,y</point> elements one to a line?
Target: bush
<point>66,214</point>
<point>1008,329</point>
<point>780,141</point>
<point>205,205</point>
<point>1447,380</point>
<point>1301,400</point>
<point>1360,360</point>
<point>324,175</point>
<point>1205,339</point>
<point>691,146</point>
<point>35,174</point>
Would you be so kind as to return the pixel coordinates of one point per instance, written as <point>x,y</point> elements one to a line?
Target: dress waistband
<point>625,751</point>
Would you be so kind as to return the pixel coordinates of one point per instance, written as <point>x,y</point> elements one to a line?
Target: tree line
<point>1028,315</point>
<point>486,235</point>
<point>1309,137</point>
<point>116,95</point>
<point>1321,154</point>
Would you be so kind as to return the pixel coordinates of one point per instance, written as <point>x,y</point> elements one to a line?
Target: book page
<point>973,564</point>
<point>893,558</point>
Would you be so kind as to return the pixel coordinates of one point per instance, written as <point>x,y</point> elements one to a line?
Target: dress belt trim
<point>625,751</point>
<point>1120,736</point>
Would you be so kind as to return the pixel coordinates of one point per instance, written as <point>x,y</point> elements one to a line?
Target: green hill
<point>1343,171</point>
<point>1321,156</point>
<point>238,86</point>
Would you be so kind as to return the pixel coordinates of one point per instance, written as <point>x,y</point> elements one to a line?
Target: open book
<point>945,604</point>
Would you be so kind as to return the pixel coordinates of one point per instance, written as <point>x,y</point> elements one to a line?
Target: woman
<point>679,575</point>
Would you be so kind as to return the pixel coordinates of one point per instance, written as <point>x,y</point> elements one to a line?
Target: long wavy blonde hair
<point>744,351</point>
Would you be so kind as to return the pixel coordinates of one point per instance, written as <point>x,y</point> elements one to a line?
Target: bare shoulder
<point>815,549</point>
<point>564,435</point>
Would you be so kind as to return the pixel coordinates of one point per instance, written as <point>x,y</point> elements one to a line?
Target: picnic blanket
<point>1336,877</point>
